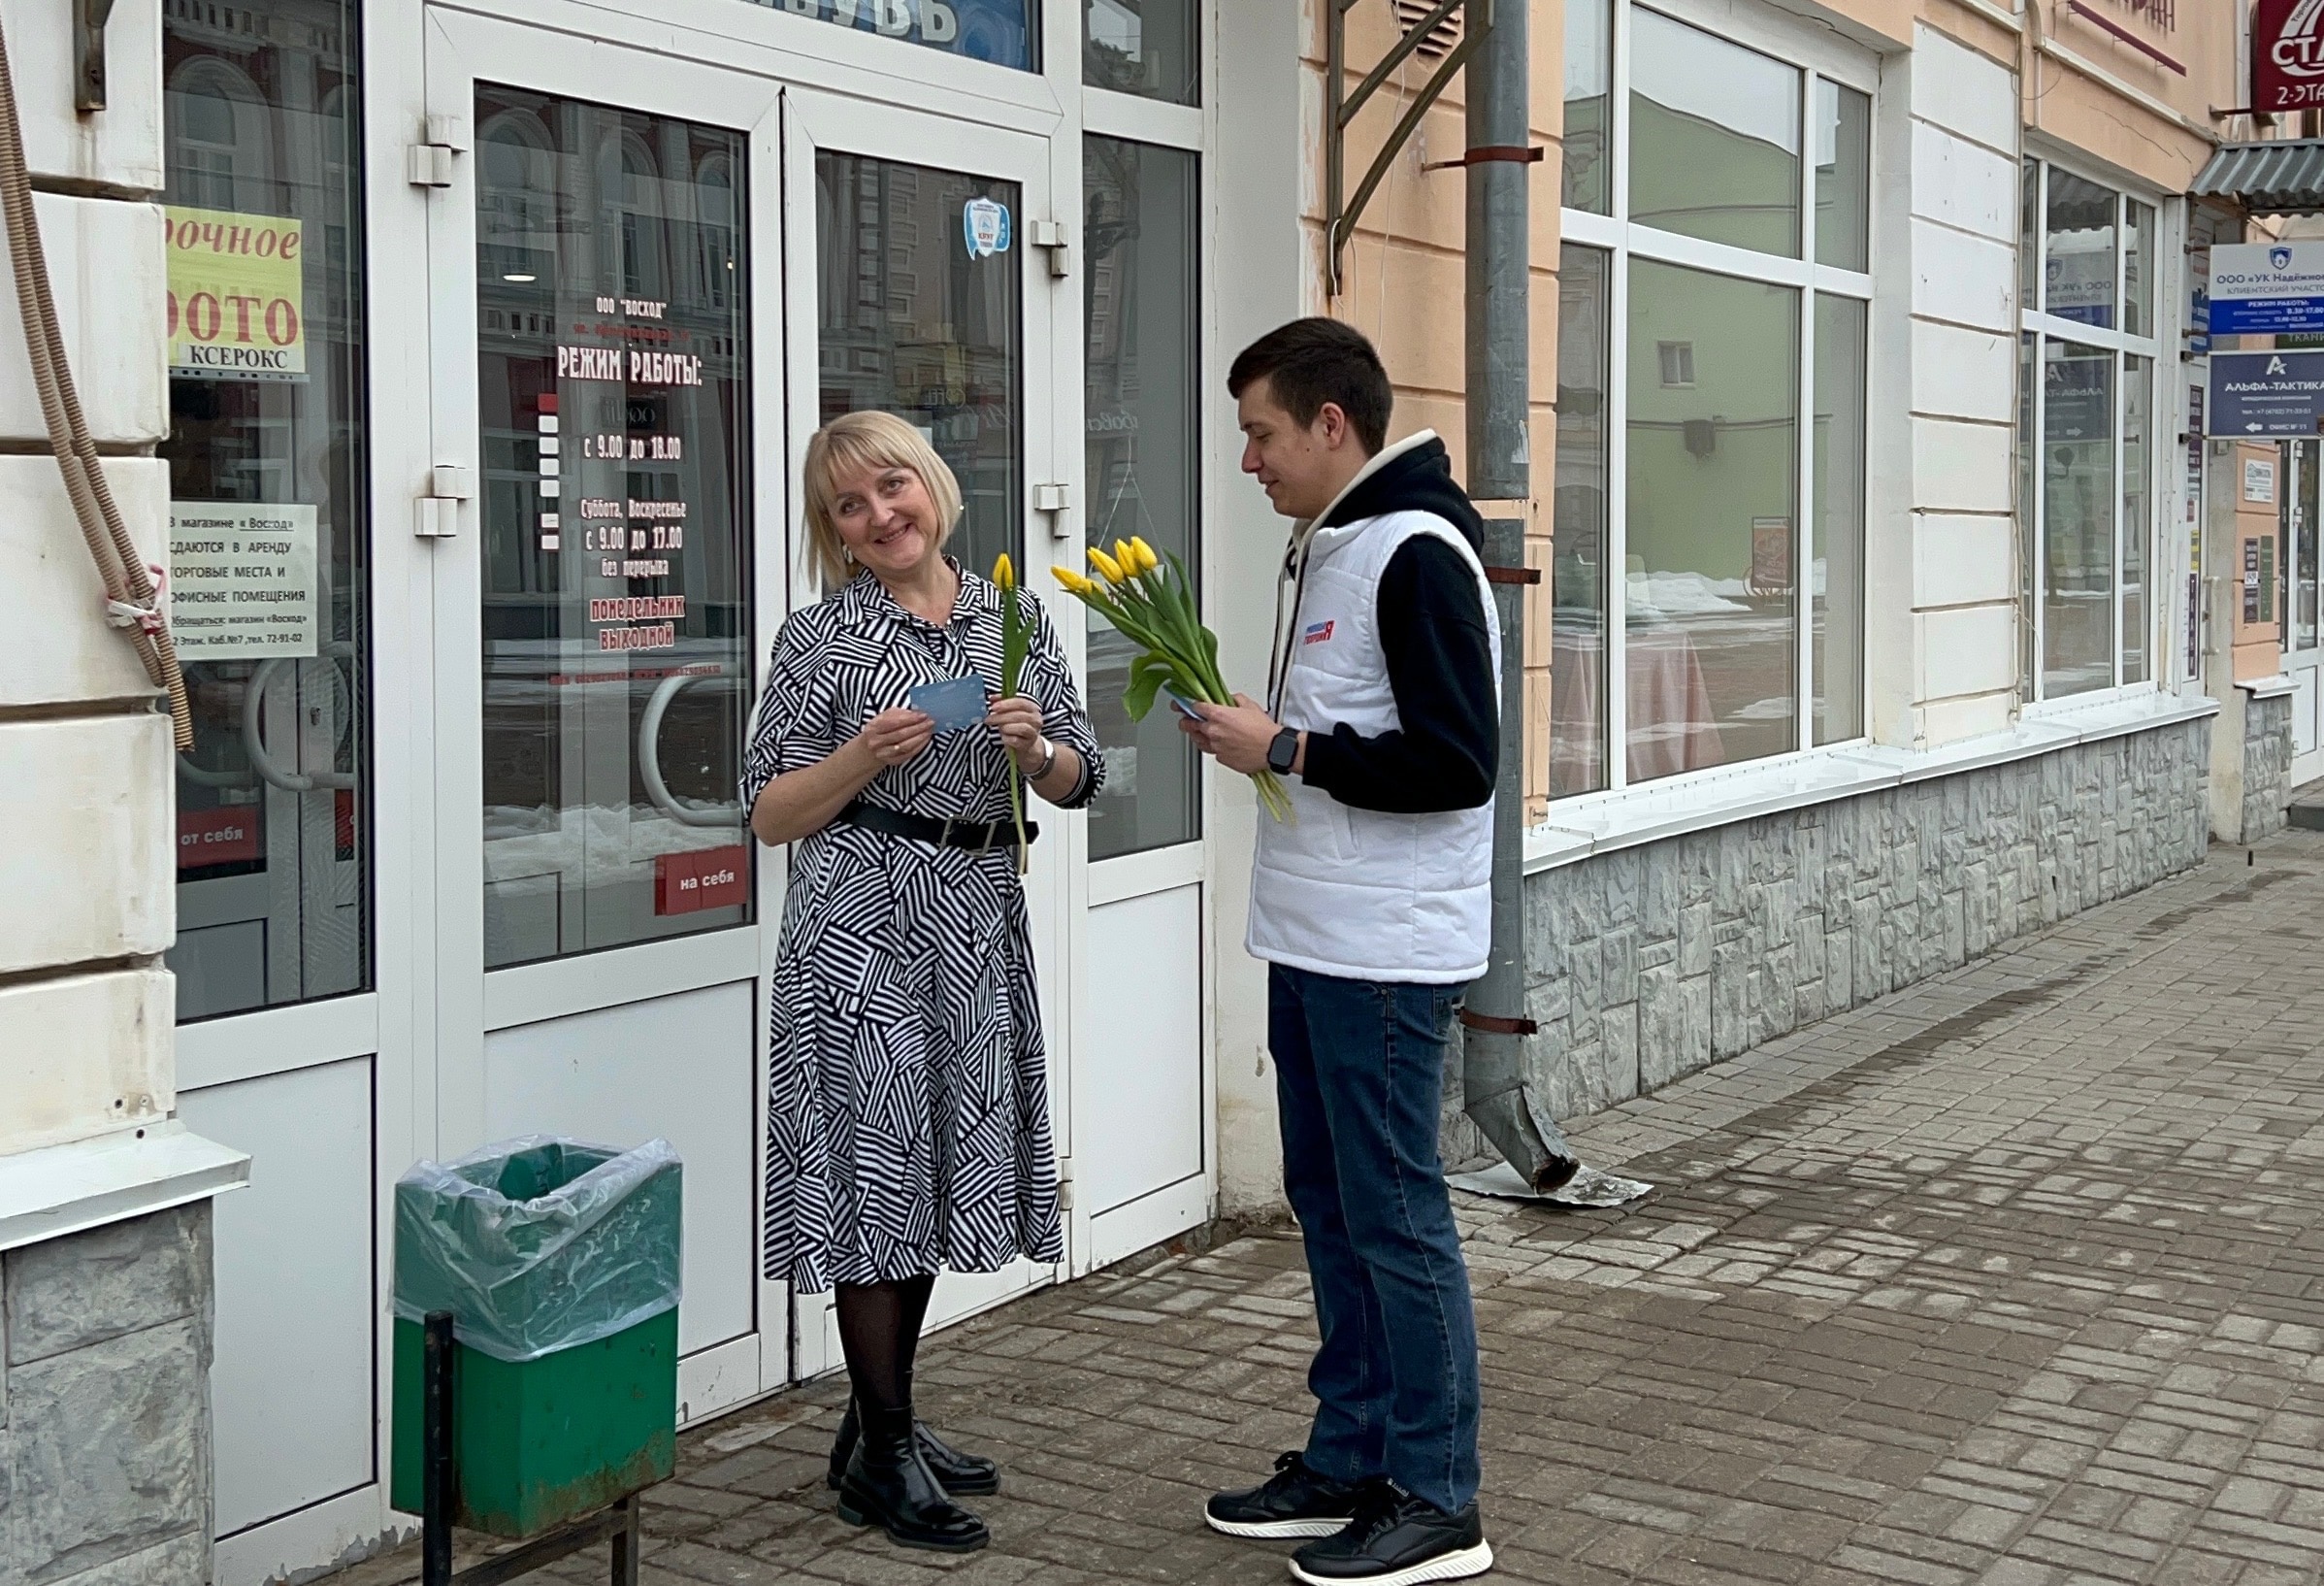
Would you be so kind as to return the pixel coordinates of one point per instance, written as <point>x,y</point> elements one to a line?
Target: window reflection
<point>1589,76</point>
<point>2138,399</point>
<point>2077,258</point>
<point>911,322</point>
<point>616,626</point>
<point>1715,145</point>
<point>1143,460</point>
<point>1712,622</point>
<point>270,547</point>
<point>1578,542</point>
<point>1149,47</point>
<point>2077,512</point>
<point>1837,571</point>
<point>1843,176</point>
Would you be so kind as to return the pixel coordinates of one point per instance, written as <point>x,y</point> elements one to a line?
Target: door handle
<point>649,754</point>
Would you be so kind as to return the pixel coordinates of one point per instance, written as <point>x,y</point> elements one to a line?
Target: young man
<point>1372,909</point>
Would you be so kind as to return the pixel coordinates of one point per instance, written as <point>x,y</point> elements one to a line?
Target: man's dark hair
<point>1312,361</point>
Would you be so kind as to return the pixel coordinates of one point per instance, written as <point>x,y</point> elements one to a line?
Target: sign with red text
<point>685,883</point>
<point>237,304</point>
<point>2287,55</point>
<point>217,836</point>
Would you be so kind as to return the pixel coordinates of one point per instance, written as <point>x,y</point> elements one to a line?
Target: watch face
<point>1283,751</point>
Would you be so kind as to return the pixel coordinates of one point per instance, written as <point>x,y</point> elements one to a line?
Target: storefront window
<point>1005,32</point>
<point>1710,618</point>
<point>1149,47</point>
<point>1843,176</point>
<point>1578,533</point>
<point>616,568</point>
<point>1589,71</point>
<point>269,544</point>
<point>1714,138</point>
<point>919,314</point>
<point>1707,566</point>
<point>1143,455</point>
<point>1836,581</point>
<point>2086,454</point>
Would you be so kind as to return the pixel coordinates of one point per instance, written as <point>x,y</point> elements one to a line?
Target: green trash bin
<point>559,1263</point>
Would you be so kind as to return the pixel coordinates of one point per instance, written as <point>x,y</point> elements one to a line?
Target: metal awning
<point>2282,177</point>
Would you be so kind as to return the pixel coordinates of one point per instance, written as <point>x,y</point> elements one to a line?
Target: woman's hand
<point>893,737</point>
<point>1018,721</point>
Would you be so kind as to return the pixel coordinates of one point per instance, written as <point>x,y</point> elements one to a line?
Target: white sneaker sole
<point>1275,1530</point>
<point>1460,1565</point>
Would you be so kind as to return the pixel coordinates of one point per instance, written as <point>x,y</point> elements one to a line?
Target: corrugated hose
<point>132,590</point>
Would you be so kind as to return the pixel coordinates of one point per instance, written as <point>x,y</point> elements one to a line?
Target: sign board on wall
<point>242,579</point>
<point>2264,288</point>
<point>2287,55</point>
<point>2258,395</point>
<point>2259,480</point>
<point>237,299</point>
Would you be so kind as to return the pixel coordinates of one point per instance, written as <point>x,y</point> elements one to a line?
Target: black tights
<point>879,1331</point>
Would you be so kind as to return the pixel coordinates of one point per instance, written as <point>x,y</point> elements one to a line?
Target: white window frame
<point>1619,238</point>
<point>2033,320</point>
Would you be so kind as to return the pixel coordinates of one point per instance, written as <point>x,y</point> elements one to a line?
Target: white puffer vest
<point>1363,894</point>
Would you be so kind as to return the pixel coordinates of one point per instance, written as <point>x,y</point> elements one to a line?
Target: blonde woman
<point>908,1108</point>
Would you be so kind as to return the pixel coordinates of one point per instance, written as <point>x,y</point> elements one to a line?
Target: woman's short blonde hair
<point>852,444</point>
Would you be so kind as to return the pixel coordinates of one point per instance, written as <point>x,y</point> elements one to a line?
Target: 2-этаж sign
<point>2287,54</point>
<point>237,298</point>
<point>242,579</point>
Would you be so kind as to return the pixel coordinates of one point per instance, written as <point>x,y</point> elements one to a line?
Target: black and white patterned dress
<point>908,1101</point>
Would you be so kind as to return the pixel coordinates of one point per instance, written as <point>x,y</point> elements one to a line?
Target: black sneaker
<point>1398,1539</point>
<point>1293,1502</point>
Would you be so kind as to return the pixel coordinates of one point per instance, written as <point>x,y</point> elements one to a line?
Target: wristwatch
<point>1283,751</point>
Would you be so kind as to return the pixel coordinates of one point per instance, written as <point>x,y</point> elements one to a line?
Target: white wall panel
<point>679,1068</point>
<point>1961,560</point>
<point>120,146</point>
<point>1951,721</point>
<point>106,270</point>
<point>292,1383</point>
<point>1963,184</point>
<point>84,1055</point>
<point>1969,650</point>
<point>90,867</point>
<point>1965,280</point>
<point>1967,94</point>
<point>1959,372</point>
<point>1962,467</point>
<point>1142,1126</point>
<point>62,649</point>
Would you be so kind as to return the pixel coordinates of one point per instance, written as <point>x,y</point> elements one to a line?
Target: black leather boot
<point>889,1485</point>
<point>963,1476</point>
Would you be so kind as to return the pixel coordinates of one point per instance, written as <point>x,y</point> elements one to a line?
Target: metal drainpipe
<point>1496,1096</point>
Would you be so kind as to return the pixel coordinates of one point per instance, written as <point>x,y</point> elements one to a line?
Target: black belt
<point>975,835</point>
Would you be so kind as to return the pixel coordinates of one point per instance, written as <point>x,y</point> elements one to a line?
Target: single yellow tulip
<point>1071,581</point>
<point>1106,565</point>
<point>1147,560</point>
<point>1126,557</point>
<point>1003,574</point>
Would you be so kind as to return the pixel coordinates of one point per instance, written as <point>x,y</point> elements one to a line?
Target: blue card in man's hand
<point>954,704</point>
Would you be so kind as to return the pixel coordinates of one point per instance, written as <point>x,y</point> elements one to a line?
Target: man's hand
<point>1239,735</point>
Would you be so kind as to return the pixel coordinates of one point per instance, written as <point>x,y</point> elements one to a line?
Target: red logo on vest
<point>2287,54</point>
<point>1318,632</point>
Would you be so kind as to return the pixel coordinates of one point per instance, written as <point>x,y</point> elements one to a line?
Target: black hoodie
<point>1439,654</point>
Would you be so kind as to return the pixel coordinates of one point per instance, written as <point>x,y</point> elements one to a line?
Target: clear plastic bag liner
<point>540,1243</point>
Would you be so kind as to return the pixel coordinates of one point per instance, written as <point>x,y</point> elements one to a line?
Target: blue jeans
<point>1359,1074</point>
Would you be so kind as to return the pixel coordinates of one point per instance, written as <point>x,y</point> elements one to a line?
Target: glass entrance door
<point>606,268</point>
<point>922,294</point>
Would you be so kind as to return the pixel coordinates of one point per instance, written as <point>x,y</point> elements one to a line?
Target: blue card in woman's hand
<point>953,704</point>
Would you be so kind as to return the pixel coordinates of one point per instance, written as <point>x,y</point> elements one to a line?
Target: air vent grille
<point>1442,39</point>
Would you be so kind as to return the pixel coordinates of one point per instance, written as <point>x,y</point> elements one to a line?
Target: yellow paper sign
<point>237,307</point>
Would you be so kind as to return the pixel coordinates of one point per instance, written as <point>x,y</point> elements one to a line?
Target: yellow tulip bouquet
<point>1155,605</point>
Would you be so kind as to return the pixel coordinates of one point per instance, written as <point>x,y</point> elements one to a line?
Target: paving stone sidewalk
<point>2011,1278</point>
